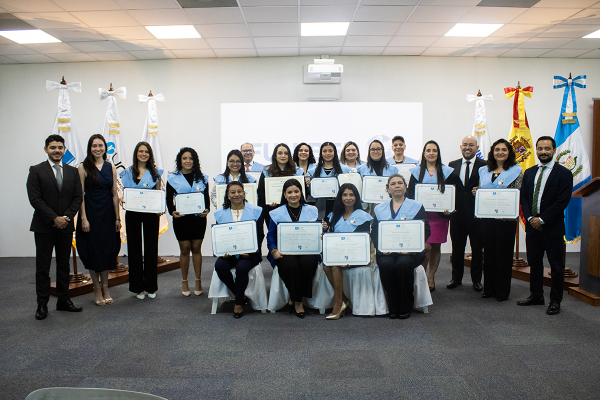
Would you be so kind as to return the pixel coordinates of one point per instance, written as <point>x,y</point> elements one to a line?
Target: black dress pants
<point>142,271</point>
<point>397,279</point>
<point>499,247</point>
<point>242,267</point>
<point>297,272</point>
<point>460,228</point>
<point>44,244</point>
<point>537,243</point>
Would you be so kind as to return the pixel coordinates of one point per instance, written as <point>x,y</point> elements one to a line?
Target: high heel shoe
<point>152,295</point>
<point>338,315</point>
<point>107,300</point>
<point>99,302</point>
<point>198,292</point>
<point>185,293</point>
<point>141,296</point>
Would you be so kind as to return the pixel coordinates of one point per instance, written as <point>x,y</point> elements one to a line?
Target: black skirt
<point>189,227</point>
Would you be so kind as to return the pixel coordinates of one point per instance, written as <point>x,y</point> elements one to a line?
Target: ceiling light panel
<point>593,35</point>
<point>29,36</point>
<point>473,30</point>
<point>324,28</point>
<point>174,32</point>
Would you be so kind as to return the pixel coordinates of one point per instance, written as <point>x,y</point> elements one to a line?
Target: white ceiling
<point>108,30</point>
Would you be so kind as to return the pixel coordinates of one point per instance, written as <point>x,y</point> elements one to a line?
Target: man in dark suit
<point>463,222</point>
<point>54,191</point>
<point>545,194</point>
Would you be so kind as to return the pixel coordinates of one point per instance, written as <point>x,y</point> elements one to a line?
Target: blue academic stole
<point>299,171</point>
<point>332,173</point>
<point>181,185</point>
<point>502,181</point>
<point>145,183</point>
<point>220,179</point>
<point>355,220</point>
<point>308,214</point>
<point>365,170</point>
<point>428,179</point>
<point>250,213</point>
<point>408,210</point>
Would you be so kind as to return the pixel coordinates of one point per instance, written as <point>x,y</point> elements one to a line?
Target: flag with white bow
<point>570,151</point>
<point>480,129</point>
<point>63,124</point>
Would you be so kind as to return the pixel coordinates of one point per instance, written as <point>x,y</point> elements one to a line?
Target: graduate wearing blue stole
<point>234,171</point>
<point>406,160</point>
<point>398,147</point>
<point>397,269</point>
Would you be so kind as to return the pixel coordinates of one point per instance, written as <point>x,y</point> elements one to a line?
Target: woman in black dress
<point>98,222</point>
<point>189,229</point>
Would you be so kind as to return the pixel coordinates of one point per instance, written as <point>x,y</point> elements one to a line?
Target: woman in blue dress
<point>143,174</point>
<point>98,223</point>
<point>190,228</point>
<point>347,216</point>
<point>237,209</point>
<point>233,172</point>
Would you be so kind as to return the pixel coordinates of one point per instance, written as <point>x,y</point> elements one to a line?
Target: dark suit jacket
<point>465,200</point>
<point>555,198</point>
<point>48,202</point>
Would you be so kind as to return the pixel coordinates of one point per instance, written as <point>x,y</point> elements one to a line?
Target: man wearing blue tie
<point>545,195</point>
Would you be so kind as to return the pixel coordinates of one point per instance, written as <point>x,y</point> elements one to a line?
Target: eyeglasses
<point>234,162</point>
<point>247,151</point>
<point>377,149</point>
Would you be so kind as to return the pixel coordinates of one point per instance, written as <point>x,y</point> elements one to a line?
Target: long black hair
<point>343,153</point>
<point>382,163</point>
<point>286,185</point>
<point>150,165</point>
<point>238,154</point>
<point>89,164</point>
<point>339,207</point>
<point>227,202</point>
<point>336,161</point>
<point>438,166</point>
<point>196,171</point>
<point>510,161</point>
<point>290,167</point>
<point>311,155</point>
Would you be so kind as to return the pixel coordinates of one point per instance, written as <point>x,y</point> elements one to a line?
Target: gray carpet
<point>465,348</point>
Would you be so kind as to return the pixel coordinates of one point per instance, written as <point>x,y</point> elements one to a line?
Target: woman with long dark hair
<point>189,228</point>
<point>235,208</point>
<point>432,171</point>
<point>350,156</point>
<point>347,216</point>
<point>296,271</point>
<point>376,164</point>
<point>233,172</point>
<point>98,222</point>
<point>143,174</point>
<point>304,157</point>
<point>501,172</point>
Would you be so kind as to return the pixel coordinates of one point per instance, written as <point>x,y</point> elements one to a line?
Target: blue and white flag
<point>571,151</point>
<point>480,128</point>
<point>63,124</point>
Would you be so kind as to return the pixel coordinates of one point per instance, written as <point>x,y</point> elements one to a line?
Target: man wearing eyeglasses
<point>247,150</point>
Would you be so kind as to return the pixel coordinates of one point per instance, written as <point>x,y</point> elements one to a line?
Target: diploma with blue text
<point>299,237</point>
<point>190,203</point>
<point>144,200</point>
<point>373,190</point>
<point>324,187</point>
<point>497,203</point>
<point>346,249</point>
<point>234,238</point>
<point>401,236</point>
<point>433,199</point>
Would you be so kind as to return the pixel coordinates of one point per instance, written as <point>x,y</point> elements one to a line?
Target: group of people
<point>59,192</point>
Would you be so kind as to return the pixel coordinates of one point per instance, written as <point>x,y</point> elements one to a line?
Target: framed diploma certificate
<point>274,187</point>
<point>249,188</point>
<point>401,236</point>
<point>190,203</point>
<point>234,238</point>
<point>144,200</point>
<point>432,199</point>
<point>299,237</point>
<point>324,187</point>
<point>497,203</point>
<point>404,170</point>
<point>373,190</point>
<point>346,249</point>
<point>353,178</point>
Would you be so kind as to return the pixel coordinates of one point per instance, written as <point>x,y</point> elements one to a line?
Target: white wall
<point>195,89</point>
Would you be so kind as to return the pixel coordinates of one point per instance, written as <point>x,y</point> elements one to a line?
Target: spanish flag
<point>520,136</point>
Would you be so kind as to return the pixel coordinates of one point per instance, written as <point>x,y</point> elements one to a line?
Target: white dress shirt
<point>463,168</point>
<point>53,169</point>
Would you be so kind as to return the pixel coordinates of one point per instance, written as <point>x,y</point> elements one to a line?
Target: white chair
<point>255,291</point>
<point>66,393</point>
<point>321,289</point>
<point>421,292</point>
<point>360,290</point>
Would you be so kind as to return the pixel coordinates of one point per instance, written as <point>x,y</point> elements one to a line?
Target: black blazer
<point>555,199</point>
<point>465,200</point>
<point>48,202</point>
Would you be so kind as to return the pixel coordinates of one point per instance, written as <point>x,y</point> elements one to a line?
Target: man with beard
<point>545,195</point>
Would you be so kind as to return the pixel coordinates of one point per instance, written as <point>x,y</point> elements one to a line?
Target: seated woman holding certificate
<point>236,209</point>
<point>347,216</point>
<point>432,172</point>
<point>143,174</point>
<point>328,167</point>
<point>397,268</point>
<point>350,156</point>
<point>189,228</point>
<point>502,172</point>
<point>296,271</point>
<point>233,172</point>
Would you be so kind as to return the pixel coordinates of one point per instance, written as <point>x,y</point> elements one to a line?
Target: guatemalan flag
<point>63,125</point>
<point>571,152</point>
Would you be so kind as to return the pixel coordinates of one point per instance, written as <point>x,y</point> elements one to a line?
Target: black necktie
<point>467,173</point>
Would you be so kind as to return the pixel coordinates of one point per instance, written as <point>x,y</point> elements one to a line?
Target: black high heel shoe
<point>301,315</point>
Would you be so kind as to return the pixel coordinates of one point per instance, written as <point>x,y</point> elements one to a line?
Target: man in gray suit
<point>54,191</point>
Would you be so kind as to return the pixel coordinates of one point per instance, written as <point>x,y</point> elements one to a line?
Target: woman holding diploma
<point>296,271</point>
<point>502,172</point>
<point>233,172</point>
<point>350,156</point>
<point>347,216</point>
<point>236,209</point>
<point>432,171</point>
<point>304,157</point>
<point>98,225</point>
<point>189,228</point>
<point>397,269</point>
<point>142,174</point>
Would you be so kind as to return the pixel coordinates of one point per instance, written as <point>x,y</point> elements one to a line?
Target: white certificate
<point>346,249</point>
<point>234,238</point>
<point>249,188</point>
<point>190,203</point>
<point>255,175</point>
<point>374,189</point>
<point>497,203</point>
<point>404,170</point>
<point>353,178</point>
<point>299,237</point>
<point>274,187</point>
<point>324,187</point>
<point>432,199</point>
<point>144,200</point>
<point>401,236</point>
